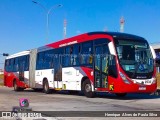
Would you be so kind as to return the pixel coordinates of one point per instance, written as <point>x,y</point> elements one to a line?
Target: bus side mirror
<point>112,70</point>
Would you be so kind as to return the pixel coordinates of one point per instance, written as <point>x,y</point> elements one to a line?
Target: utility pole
<point>48,11</point>
<point>65,29</point>
<point>122,24</point>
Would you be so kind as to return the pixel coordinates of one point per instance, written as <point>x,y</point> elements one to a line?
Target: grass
<point>1,77</point>
<point>1,84</point>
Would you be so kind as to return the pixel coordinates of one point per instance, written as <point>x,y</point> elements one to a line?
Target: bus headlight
<point>154,80</point>
<point>124,78</point>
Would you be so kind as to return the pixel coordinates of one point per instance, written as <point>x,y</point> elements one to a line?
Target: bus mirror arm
<point>111,71</point>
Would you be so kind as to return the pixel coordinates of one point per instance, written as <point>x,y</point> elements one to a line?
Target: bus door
<point>24,69</point>
<point>21,68</point>
<point>101,66</point>
<point>58,68</point>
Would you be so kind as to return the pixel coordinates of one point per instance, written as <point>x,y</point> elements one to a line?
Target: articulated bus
<point>93,62</point>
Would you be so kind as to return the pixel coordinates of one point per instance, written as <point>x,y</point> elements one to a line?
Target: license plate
<point>148,82</point>
<point>142,88</point>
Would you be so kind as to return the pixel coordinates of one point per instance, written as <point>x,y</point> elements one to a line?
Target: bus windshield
<point>135,57</point>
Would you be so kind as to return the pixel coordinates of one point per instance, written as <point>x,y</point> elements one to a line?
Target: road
<point>66,102</point>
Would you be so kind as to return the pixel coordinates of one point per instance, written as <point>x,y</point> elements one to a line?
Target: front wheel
<point>15,86</point>
<point>87,89</point>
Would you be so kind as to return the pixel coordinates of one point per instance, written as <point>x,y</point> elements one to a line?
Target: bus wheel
<point>46,87</point>
<point>121,94</point>
<point>16,88</point>
<point>87,89</point>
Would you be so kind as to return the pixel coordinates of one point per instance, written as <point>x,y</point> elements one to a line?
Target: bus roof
<point>19,54</point>
<point>85,36</point>
<point>77,39</point>
<point>118,35</point>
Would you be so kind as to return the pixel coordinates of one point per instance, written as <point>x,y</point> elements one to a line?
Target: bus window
<point>22,63</point>
<point>51,60</point>
<point>128,52</point>
<point>86,53</point>
<point>15,66</point>
<point>46,60</point>
<point>11,65</point>
<point>66,57</point>
<point>71,56</point>
<point>6,65</point>
<point>74,52</point>
<point>27,63</point>
<point>40,60</point>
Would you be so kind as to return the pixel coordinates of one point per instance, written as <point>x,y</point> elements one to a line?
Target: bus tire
<point>87,89</point>
<point>16,88</point>
<point>121,94</point>
<point>46,87</point>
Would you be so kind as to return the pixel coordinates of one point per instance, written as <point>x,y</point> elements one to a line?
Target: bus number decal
<point>111,87</point>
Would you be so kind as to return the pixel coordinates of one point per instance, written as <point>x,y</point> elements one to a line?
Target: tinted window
<point>48,59</point>
<point>76,54</point>
<point>66,56</point>
<point>40,60</point>
<point>23,63</point>
<point>45,60</point>
<point>135,57</point>
<point>15,65</point>
<point>7,63</point>
<point>27,63</point>
<point>86,53</point>
<point>101,41</point>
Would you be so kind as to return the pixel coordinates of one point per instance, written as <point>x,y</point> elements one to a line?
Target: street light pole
<point>48,11</point>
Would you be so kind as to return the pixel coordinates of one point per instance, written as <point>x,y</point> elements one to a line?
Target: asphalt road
<point>64,101</point>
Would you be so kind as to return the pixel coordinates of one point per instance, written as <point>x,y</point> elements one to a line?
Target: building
<point>1,71</point>
<point>156,47</point>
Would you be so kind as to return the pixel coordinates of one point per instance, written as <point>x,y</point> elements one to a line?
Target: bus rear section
<point>16,70</point>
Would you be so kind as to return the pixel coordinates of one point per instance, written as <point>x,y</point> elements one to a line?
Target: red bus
<point>112,62</point>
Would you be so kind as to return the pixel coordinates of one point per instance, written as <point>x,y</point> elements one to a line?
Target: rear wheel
<point>121,94</point>
<point>46,87</point>
<point>87,89</point>
<point>15,86</point>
